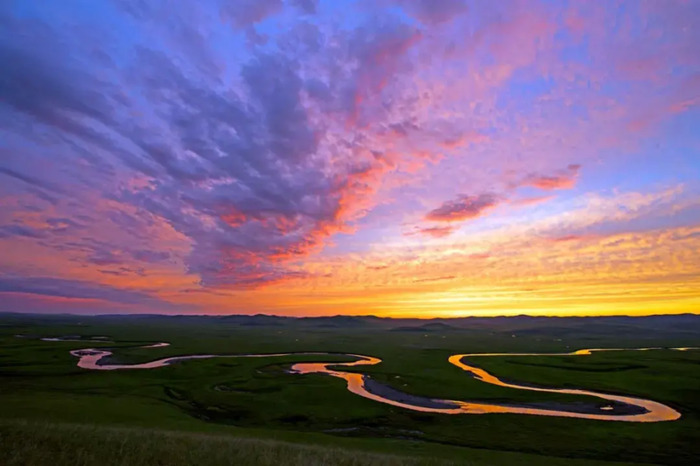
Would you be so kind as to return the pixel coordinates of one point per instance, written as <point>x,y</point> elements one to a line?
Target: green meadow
<point>252,411</point>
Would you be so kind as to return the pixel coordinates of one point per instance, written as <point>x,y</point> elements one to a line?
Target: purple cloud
<point>9,231</point>
<point>463,208</point>
<point>250,174</point>
<point>243,13</point>
<point>433,11</point>
<point>65,288</point>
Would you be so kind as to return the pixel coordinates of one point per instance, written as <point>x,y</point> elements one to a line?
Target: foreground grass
<point>32,443</point>
<point>28,443</point>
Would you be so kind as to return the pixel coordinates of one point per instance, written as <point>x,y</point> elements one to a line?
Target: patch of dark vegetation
<point>222,415</point>
<point>223,388</point>
<point>175,394</point>
<point>580,368</point>
<point>273,370</point>
<point>295,419</point>
<point>421,417</point>
<point>337,321</point>
<point>244,389</point>
<point>430,327</point>
<point>376,430</point>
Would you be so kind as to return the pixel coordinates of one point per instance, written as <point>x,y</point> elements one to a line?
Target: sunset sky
<point>391,157</point>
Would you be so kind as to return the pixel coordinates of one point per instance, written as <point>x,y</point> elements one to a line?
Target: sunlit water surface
<point>619,408</point>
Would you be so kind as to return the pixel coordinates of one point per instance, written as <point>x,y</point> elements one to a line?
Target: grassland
<point>234,403</point>
<point>84,445</point>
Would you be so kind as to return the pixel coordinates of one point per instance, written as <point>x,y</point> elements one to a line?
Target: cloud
<point>464,139</point>
<point>151,256</point>
<point>103,258</point>
<point>563,179</point>
<point>31,180</point>
<point>532,200</point>
<point>436,231</point>
<point>434,279</point>
<point>567,238</point>
<point>433,11</point>
<point>243,13</point>
<point>65,288</point>
<point>255,175</point>
<point>307,6</point>
<point>9,231</point>
<point>62,224</point>
<point>464,208</point>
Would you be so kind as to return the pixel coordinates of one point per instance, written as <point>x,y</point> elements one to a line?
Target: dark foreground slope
<point>41,444</point>
<point>32,444</point>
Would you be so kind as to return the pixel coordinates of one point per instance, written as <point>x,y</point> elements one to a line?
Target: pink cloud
<point>437,231</point>
<point>564,179</point>
<point>528,201</point>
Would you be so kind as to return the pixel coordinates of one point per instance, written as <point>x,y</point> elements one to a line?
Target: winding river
<point>616,407</point>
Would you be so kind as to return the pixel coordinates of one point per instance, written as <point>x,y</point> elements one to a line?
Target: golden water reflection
<point>633,409</point>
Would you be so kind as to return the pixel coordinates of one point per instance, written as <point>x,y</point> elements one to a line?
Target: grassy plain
<point>233,403</point>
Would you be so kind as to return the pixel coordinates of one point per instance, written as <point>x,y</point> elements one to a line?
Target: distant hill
<point>429,327</point>
<point>680,324</point>
<point>338,321</point>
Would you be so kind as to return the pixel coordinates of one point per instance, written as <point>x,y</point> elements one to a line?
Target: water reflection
<point>651,411</point>
<point>617,408</point>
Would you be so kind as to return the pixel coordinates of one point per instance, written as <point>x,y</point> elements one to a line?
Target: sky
<point>402,158</point>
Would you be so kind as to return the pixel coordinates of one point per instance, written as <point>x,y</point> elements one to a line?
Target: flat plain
<point>253,411</point>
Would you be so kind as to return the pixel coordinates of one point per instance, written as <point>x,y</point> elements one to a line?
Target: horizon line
<point>69,314</point>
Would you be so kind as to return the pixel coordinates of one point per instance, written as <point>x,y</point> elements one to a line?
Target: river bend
<point>616,407</point>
